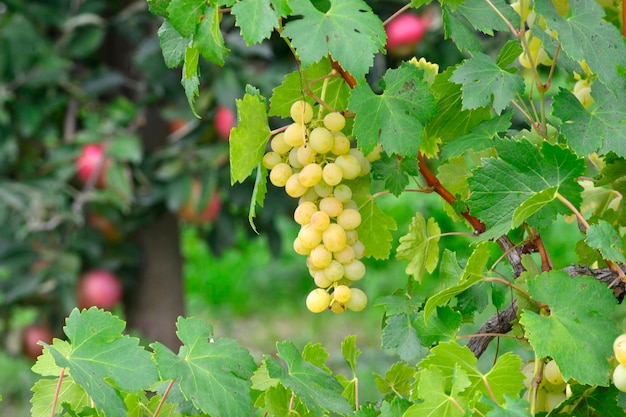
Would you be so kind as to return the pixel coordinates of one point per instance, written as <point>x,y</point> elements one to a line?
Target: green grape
<point>293,158</point>
<point>306,155</point>
<point>334,238</point>
<point>337,307</point>
<point>321,140</point>
<point>334,271</point>
<point>318,300</point>
<point>366,167</point>
<point>331,206</point>
<point>349,165</point>
<point>334,121</point>
<point>320,279</point>
<point>552,373</point>
<point>293,186</point>
<point>354,271</point>
<point>310,175</point>
<point>294,134</point>
<point>619,348</point>
<point>553,399</point>
<point>310,195</point>
<point>332,174</point>
<point>309,237</point>
<point>357,301</point>
<point>280,174</point>
<point>341,144</point>
<point>342,293</point>
<point>320,220</point>
<point>271,159</point>
<point>619,377</point>
<point>299,249</point>
<point>320,257</point>
<point>278,144</point>
<point>350,204</point>
<point>322,189</point>
<point>345,256</point>
<point>359,249</point>
<point>553,388</point>
<point>304,211</point>
<point>343,193</point>
<point>351,237</point>
<point>301,112</point>
<point>349,219</point>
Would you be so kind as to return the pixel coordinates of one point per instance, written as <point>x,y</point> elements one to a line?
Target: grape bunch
<point>619,373</point>
<point>312,160</point>
<point>552,389</point>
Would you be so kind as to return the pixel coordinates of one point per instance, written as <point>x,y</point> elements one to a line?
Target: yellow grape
<point>280,174</point>
<point>341,143</point>
<point>334,271</point>
<point>561,6</point>
<point>343,193</point>
<point>271,159</point>
<point>357,301</point>
<point>322,189</point>
<point>341,293</point>
<point>320,257</point>
<point>332,174</point>
<point>310,175</point>
<point>349,165</point>
<point>349,219</point>
<point>619,377</point>
<point>351,237</point>
<point>299,249</point>
<point>376,154</point>
<point>294,134</point>
<point>278,144</point>
<point>528,370</point>
<point>301,112</point>
<point>293,186</point>
<point>293,158</point>
<point>337,307</point>
<point>619,348</point>
<point>320,220</point>
<point>318,300</point>
<point>334,238</point>
<point>306,155</point>
<point>309,237</point>
<point>363,162</point>
<point>320,279</point>
<point>354,271</point>
<point>321,140</point>
<point>552,373</point>
<point>359,249</point>
<point>331,206</point>
<point>345,256</point>
<point>334,121</point>
<point>304,211</point>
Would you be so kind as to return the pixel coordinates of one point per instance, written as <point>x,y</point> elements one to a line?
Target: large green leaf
<point>578,334</point>
<point>256,18</point>
<point>437,399</point>
<point>347,26</point>
<point>213,374</point>
<point>99,354</point>
<point>396,117</point>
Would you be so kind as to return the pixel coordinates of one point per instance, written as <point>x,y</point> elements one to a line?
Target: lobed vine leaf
<point>350,352</point>
<point>397,379</point>
<point>485,83</point>
<point>522,171</point>
<point>347,26</point>
<point>209,39</point>
<point>484,18</point>
<point>440,398</point>
<point>606,239</point>
<point>395,171</point>
<point>580,326</point>
<point>45,392</point>
<point>512,407</point>
<point>256,19</point>
<point>399,333</point>
<point>213,374</point>
<point>314,386</point>
<point>420,246</point>
<point>173,44</point>
<point>395,118</point>
<point>100,354</point>
<point>249,138</point>
<point>456,29</point>
<point>185,15</point>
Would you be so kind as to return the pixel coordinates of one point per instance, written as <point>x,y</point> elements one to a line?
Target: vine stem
<point>499,13</point>
<point>397,13</point>
<point>165,394</point>
<point>470,336</point>
<point>57,392</point>
<point>514,287</point>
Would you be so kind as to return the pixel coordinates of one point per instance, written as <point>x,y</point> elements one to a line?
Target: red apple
<point>105,226</point>
<point>224,121</point>
<point>92,162</point>
<point>33,334</point>
<point>404,33</point>
<point>190,212</point>
<point>100,288</point>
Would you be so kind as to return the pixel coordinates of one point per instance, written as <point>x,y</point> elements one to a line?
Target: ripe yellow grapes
<point>312,159</point>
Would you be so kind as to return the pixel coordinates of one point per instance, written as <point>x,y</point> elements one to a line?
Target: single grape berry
<point>318,300</point>
<point>552,373</point>
<point>619,348</point>
<point>301,112</point>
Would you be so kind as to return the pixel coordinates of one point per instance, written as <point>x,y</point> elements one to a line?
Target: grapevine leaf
<point>400,334</point>
<point>208,38</point>
<point>471,275</point>
<point>394,304</point>
<point>604,237</point>
<point>258,194</point>
<point>282,7</point>
<point>437,400</point>
<point>185,15</point>
<point>256,19</point>
<point>484,18</point>
<point>249,138</point>
<point>173,44</point>
<point>316,354</point>
<point>347,26</point>
<point>158,7</point>
<point>599,401</point>
<point>279,402</point>
<point>478,137</point>
<point>532,205</point>
<point>450,120</point>
<point>191,80</point>
<point>485,83</point>
<point>396,408</point>
<point>455,29</point>
<point>45,365</point>
<point>600,128</point>
<point>509,53</point>
<point>213,374</point>
<point>505,377</point>
<point>376,226</point>
<point>314,386</point>
<point>585,35</point>
<point>580,330</point>
<point>350,352</point>
<point>513,407</point>
<point>440,326</point>
<point>420,246</point>
<point>100,353</point>
<point>292,89</point>
<point>395,118</point>
<point>261,380</point>
<point>395,171</point>
<point>522,171</point>
<point>397,379</point>
<point>44,395</point>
